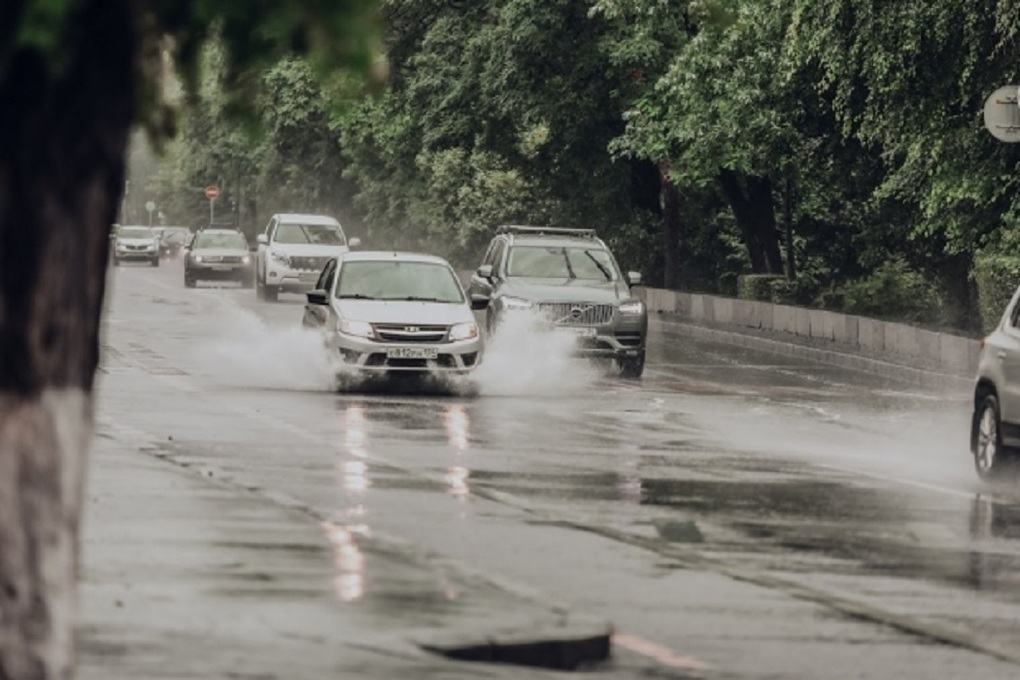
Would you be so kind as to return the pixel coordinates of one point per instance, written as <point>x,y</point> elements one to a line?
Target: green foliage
<point>756,286</point>
<point>896,292</point>
<point>997,276</point>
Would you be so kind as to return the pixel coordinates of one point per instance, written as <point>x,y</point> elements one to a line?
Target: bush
<point>756,286</point>
<point>896,292</point>
<point>996,276</point>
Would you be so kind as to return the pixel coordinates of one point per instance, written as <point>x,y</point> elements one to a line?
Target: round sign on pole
<point>212,191</point>
<point>1002,114</point>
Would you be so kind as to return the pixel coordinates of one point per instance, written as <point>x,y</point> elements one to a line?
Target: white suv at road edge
<point>995,425</point>
<point>293,250</point>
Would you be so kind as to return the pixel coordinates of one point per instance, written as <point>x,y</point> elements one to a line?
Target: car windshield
<point>398,280</point>
<point>135,232</point>
<point>320,234</point>
<point>542,262</point>
<point>229,240</point>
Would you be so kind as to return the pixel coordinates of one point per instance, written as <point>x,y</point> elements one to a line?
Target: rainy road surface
<point>733,514</point>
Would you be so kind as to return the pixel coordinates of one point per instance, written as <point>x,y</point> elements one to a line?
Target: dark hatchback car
<point>570,278</point>
<point>219,255</point>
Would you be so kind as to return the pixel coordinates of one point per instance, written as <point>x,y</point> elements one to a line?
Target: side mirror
<point>479,302</point>
<point>317,297</point>
<point>634,278</point>
<point>485,271</point>
<point>353,243</point>
<point>263,239</point>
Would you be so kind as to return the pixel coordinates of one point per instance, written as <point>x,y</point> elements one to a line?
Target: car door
<point>321,316</point>
<point>493,258</point>
<point>1006,346</point>
<point>263,247</point>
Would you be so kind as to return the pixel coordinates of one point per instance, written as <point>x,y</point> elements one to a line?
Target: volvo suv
<point>293,251</point>
<point>570,279</point>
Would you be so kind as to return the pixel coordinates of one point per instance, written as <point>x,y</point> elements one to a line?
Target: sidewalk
<point>187,577</point>
<point>814,349</point>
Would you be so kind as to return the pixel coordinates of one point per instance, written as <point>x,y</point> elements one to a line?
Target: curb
<point>918,376</point>
<point>565,646</point>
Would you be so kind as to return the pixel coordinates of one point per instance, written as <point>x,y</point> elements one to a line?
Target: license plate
<point>429,353</point>
<point>584,332</point>
<point>310,277</point>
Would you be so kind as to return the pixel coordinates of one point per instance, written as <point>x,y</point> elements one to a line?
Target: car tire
<point>247,281</point>
<point>155,261</point>
<point>632,367</point>
<point>189,280</point>
<point>270,293</point>
<point>991,458</point>
<point>116,261</point>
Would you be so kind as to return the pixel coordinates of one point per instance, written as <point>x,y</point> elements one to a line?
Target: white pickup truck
<point>293,250</point>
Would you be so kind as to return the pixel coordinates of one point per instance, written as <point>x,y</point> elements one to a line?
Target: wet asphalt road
<point>732,513</point>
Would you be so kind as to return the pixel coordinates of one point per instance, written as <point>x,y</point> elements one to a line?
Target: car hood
<point>220,252</point>
<point>567,290</point>
<point>308,249</point>
<point>136,241</point>
<point>402,312</point>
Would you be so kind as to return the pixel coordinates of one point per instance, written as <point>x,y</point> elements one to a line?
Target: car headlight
<point>464,331</point>
<point>246,259</point>
<point>151,246</point>
<point>513,303</point>
<point>361,329</point>
<point>198,258</point>
<point>282,258</point>
<point>632,307</point>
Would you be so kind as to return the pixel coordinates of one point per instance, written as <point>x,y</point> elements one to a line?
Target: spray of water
<point>249,352</point>
<point>524,357</point>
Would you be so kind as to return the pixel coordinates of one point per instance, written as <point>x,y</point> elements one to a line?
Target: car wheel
<point>189,281</point>
<point>116,261</point>
<point>247,281</point>
<point>632,367</point>
<point>991,458</point>
<point>155,261</point>
<point>270,293</point>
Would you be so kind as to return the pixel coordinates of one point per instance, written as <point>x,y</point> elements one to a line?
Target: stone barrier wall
<point>954,354</point>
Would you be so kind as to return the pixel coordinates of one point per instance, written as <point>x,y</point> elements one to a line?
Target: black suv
<point>219,254</point>
<point>569,277</point>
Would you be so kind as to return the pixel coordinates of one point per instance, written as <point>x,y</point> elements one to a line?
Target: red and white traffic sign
<point>212,191</point>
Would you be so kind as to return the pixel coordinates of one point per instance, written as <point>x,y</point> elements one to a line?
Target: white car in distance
<point>292,251</point>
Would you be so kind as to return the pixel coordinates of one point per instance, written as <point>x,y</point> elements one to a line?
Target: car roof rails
<point>545,231</point>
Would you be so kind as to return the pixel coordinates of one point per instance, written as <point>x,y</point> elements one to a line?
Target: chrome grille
<point>410,333</point>
<point>309,262</point>
<point>577,313</point>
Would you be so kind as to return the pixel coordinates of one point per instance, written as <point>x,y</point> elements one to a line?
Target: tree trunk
<point>65,127</point>
<point>791,259</point>
<point>754,209</point>
<point>670,230</point>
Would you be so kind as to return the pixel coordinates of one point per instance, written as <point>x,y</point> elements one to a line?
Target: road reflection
<point>994,556</point>
<point>348,559</point>
<point>458,434</point>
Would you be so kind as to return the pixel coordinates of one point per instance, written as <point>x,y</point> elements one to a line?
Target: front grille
<point>577,313</point>
<point>225,259</point>
<point>315,263</point>
<point>405,333</point>
<point>137,247</point>
<point>380,360</point>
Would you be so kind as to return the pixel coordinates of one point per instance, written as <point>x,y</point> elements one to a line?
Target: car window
<point>229,240</point>
<point>557,262</point>
<point>398,280</point>
<point>325,281</point>
<point>135,232</point>
<point>319,234</point>
<point>497,256</point>
<point>1014,316</point>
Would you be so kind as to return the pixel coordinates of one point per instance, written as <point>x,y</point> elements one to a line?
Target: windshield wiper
<point>602,268</point>
<point>354,296</point>
<point>418,298</point>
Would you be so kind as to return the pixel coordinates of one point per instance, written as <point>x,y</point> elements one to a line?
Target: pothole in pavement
<point>563,646</point>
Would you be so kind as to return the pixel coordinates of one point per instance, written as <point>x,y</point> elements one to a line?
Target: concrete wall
<point>895,341</point>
